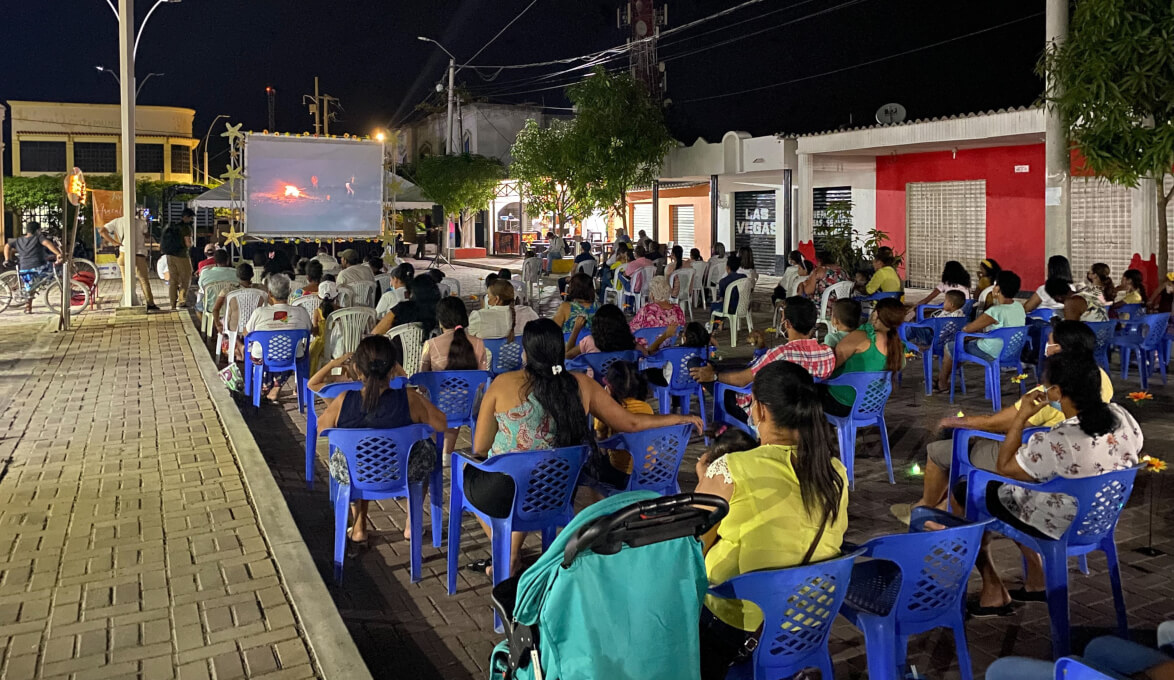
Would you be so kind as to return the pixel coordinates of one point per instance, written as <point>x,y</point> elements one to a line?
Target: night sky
<point>219,55</point>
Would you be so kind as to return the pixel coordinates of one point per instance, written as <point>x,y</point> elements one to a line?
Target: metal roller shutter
<point>1101,226</point>
<point>641,219</point>
<point>946,221</point>
<point>682,223</point>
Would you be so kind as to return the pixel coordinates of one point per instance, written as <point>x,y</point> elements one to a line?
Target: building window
<point>181,159</point>
<point>42,157</point>
<point>148,158</point>
<point>467,143</point>
<point>96,156</point>
<point>425,150</point>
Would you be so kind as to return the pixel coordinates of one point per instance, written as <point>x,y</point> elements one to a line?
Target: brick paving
<point>130,545</point>
<point>417,630</point>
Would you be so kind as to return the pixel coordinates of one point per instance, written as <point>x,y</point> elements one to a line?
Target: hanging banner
<point>107,206</point>
<point>755,227</point>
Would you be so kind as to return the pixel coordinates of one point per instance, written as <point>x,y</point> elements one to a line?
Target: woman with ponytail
<point>1095,438</point>
<point>874,346</point>
<point>376,405</point>
<point>788,504</point>
<point>500,318</point>
<point>542,406</point>
<point>454,349</point>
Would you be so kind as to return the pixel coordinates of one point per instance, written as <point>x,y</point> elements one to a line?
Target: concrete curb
<point>329,640</point>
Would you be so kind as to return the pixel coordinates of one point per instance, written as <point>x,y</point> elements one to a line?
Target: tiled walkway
<point>131,547</point>
<point>417,630</point>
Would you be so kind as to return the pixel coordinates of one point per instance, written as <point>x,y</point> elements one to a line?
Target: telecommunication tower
<point>644,19</point>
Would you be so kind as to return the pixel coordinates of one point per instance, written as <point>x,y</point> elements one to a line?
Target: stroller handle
<point>648,522</point>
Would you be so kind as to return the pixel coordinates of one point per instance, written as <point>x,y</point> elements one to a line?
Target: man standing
<point>114,231</point>
<point>31,252</point>
<point>351,270</point>
<point>175,244</point>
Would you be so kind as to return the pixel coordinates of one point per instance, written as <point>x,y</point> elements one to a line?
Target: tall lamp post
<point>114,75</point>
<point>448,146</point>
<point>206,135</point>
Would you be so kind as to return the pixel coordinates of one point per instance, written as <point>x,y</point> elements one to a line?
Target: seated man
<point>733,264</point>
<point>278,315</point>
<point>219,271</point>
<point>208,261</point>
<point>800,348</point>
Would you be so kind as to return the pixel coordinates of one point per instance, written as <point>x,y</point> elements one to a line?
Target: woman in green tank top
<point>872,347</point>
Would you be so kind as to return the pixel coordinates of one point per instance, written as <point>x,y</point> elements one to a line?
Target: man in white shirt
<point>278,315</point>
<point>115,232</point>
<point>353,269</point>
<point>329,264</point>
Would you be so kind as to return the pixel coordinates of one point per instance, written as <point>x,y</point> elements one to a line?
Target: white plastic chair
<point>299,282</point>
<point>641,282</point>
<point>346,327</point>
<point>684,296</point>
<point>383,281</point>
<point>209,294</point>
<point>586,266</point>
<point>310,303</point>
<point>444,289</point>
<point>346,296</point>
<point>713,276</point>
<point>841,290</point>
<point>979,302</point>
<point>454,285</point>
<point>741,312</point>
<point>411,337</point>
<point>364,293</point>
<point>698,288</point>
<point>532,276</point>
<point>247,302</point>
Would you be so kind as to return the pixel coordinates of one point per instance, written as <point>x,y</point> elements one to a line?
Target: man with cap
<point>175,244</point>
<point>351,271</point>
<point>115,232</point>
<point>208,261</point>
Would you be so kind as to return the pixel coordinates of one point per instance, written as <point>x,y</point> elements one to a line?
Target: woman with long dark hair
<point>580,303</point>
<point>1058,268</point>
<point>1132,289</point>
<point>954,277</point>
<point>746,257</point>
<point>542,406</point>
<point>677,261</point>
<point>826,273</point>
<point>376,405</point>
<point>453,350</point>
<point>1100,281</point>
<point>502,317</point>
<point>420,308</point>
<point>788,504</point>
<point>610,332</point>
<point>874,346</point>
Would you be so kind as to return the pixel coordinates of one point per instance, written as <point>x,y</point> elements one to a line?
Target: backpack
<point>171,240</point>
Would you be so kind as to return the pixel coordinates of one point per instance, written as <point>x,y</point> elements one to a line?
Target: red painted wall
<point>1015,201</point>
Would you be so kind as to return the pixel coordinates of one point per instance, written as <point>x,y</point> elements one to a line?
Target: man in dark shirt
<point>733,264</point>
<point>583,256</point>
<point>175,244</point>
<point>31,252</point>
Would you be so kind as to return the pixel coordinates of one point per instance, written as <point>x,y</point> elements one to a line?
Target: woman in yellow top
<point>788,504</point>
<point>886,279</point>
<point>328,292</point>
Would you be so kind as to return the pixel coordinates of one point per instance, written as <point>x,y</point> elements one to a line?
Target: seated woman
<point>313,280</point>
<point>874,346</point>
<point>1095,438</point>
<point>609,333</point>
<point>420,308</point>
<point>792,278</point>
<point>677,262</point>
<point>696,259</point>
<point>401,288</point>
<point>377,406</point>
<point>244,279</point>
<point>885,278</point>
<point>733,265</point>
<point>788,505</point>
<point>1006,313</point>
<point>1058,268</point>
<point>500,318</point>
<point>542,406</point>
<point>746,256</point>
<point>1132,289</point>
<point>580,303</point>
<point>659,313</point>
<point>827,273</point>
<point>452,350</point>
<point>954,277</point>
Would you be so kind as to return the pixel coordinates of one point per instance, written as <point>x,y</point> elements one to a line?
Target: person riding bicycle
<point>32,253</point>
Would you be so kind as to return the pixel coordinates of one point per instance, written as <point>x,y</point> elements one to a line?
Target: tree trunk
<point>624,214</point>
<point>1163,228</point>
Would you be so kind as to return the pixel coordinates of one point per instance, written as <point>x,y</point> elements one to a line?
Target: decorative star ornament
<point>387,238</point>
<point>233,237</point>
<point>233,132</point>
<point>233,174</point>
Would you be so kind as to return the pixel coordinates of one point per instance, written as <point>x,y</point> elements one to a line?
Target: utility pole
<point>319,106</point>
<point>271,95</point>
<point>126,41</point>
<point>1057,179</point>
<point>451,76</point>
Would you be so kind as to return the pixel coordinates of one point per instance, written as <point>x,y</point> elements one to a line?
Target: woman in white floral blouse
<point>1095,438</point>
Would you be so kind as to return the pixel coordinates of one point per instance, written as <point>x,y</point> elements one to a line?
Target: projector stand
<point>436,259</point>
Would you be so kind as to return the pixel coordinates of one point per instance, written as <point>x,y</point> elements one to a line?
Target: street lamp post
<point>117,80</point>
<point>451,75</point>
<point>206,135</point>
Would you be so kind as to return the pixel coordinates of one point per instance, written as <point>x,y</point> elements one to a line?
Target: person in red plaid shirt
<point>801,348</point>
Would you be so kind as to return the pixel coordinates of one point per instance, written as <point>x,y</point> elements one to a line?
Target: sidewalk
<point>133,546</point>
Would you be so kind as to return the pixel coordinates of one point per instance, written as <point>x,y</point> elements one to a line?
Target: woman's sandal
<point>480,565</point>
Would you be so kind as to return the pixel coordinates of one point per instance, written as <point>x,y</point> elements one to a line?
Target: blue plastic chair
<point>330,391</point>
<point>1105,331</point>
<point>599,362</point>
<point>377,461</point>
<point>455,394</point>
<point>1147,337</point>
<point>504,356</point>
<point>279,353</point>
<point>923,311</point>
<point>1099,500</point>
<point>720,417</point>
<point>915,582</point>
<point>675,361</point>
<point>960,466</point>
<point>1073,669</point>
<point>944,330</point>
<point>1128,312</point>
<point>799,606</point>
<point>544,493</point>
<point>649,336</point>
<point>1013,339</point>
<point>582,334</point>
<point>656,459</point>
<point>872,393</point>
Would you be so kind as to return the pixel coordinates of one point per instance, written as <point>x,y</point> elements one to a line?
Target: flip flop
<point>978,611</point>
<point>1025,595</point>
<point>480,565</point>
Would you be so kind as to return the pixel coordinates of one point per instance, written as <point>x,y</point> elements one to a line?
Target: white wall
<point>858,172</point>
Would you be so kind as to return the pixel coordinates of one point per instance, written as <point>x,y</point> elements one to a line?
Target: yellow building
<point>52,137</point>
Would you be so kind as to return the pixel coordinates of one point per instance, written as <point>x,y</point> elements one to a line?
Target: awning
<point>218,197</point>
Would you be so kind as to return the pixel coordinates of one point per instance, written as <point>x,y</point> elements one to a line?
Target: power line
<point>733,24</point>
<point>864,63</point>
<point>503,30</point>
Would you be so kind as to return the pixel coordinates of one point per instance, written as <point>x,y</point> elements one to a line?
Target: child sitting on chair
<point>628,386</point>
<point>845,319</point>
<point>951,308</point>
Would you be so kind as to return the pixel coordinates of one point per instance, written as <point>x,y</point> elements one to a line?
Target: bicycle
<point>19,287</point>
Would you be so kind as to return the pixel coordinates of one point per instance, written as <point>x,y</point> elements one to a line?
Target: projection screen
<point>312,187</point>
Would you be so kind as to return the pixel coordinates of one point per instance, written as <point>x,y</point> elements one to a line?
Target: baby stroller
<point>617,595</point>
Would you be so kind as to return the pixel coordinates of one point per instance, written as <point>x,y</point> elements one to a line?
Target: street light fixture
<point>206,136</point>
<point>145,19</point>
<point>114,75</point>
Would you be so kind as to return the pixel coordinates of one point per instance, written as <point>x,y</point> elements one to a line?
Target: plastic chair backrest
<point>310,303</point>
<point>1099,500</point>
<point>678,358</point>
<point>743,288</point>
<point>650,334</point>
<point>799,606</point>
<point>935,567</point>
<point>364,293</point>
<point>872,391</point>
<point>1130,312</point>
<point>383,282</point>
<point>841,290</point>
<point>945,328</point>
<point>377,460</point>
<point>715,271</point>
<point>545,481</point>
<point>1041,313</point>
<point>586,266</point>
<point>531,269</point>
<point>656,456</point>
<point>685,276</point>
<point>279,348</point>
<point>346,296</point>
<point>699,276</point>
<point>213,290</point>
<point>247,302</point>
<point>453,392</point>
<point>411,337</point>
<point>1154,327</point>
<point>1013,339</point>
<point>346,327</point>
<point>642,279</point>
<point>599,362</point>
<point>1104,330</point>
<point>504,356</point>
<point>1068,668</point>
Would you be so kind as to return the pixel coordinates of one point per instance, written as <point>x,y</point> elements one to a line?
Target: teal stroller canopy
<point>617,595</point>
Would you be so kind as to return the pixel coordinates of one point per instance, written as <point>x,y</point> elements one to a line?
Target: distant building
<point>52,137</point>
<point>483,128</point>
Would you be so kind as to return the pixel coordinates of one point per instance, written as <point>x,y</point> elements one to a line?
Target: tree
<point>552,177</point>
<point>24,196</point>
<point>459,183</point>
<point>624,136</point>
<point>1112,81</point>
